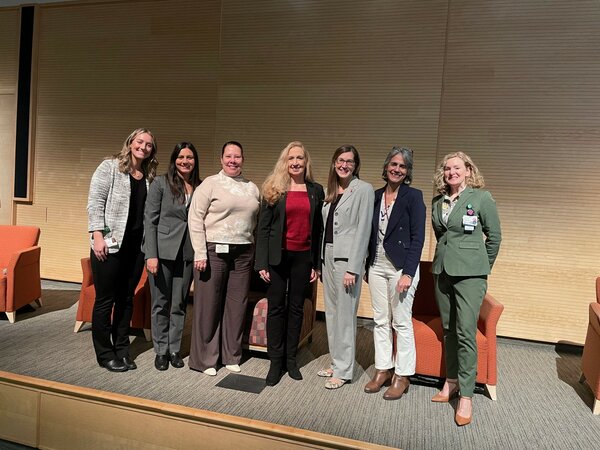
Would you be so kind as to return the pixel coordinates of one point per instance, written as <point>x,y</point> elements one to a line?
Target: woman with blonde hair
<point>115,208</point>
<point>467,228</point>
<point>287,253</point>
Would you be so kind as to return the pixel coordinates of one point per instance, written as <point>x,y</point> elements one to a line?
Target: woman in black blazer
<point>395,246</point>
<point>169,252</point>
<point>289,232</point>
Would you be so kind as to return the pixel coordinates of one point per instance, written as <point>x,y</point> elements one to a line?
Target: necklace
<point>137,174</point>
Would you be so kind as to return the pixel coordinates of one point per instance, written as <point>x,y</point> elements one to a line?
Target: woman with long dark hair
<point>169,252</point>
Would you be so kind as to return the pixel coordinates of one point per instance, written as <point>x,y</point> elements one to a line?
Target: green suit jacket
<point>463,253</point>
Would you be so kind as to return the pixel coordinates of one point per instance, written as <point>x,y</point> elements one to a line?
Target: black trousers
<point>285,312</point>
<point>115,280</point>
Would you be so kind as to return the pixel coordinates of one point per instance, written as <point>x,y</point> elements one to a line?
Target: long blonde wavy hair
<point>278,181</point>
<point>149,164</point>
<point>475,180</point>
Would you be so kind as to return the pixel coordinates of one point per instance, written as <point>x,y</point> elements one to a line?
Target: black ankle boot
<point>274,374</point>
<point>293,370</point>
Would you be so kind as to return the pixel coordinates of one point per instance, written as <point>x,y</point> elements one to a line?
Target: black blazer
<point>271,229</point>
<point>405,234</point>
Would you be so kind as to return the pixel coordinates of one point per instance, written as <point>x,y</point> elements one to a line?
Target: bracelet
<point>407,275</point>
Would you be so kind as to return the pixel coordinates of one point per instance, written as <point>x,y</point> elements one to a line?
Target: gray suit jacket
<point>165,224</point>
<point>352,225</point>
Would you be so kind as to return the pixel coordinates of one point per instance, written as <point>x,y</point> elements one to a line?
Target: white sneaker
<point>211,371</point>
<point>233,368</point>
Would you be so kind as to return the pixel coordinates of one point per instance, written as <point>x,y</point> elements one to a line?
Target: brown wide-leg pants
<point>220,300</point>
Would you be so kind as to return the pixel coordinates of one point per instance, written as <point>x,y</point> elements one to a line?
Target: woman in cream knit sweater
<point>222,219</point>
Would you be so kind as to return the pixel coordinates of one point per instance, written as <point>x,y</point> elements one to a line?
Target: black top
<point>329,225</point>
<point>135,217</point>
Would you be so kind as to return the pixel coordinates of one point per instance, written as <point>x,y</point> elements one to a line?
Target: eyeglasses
<point>340,162</point>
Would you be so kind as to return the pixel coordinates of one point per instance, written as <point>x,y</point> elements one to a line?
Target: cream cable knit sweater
<point>224,211</point>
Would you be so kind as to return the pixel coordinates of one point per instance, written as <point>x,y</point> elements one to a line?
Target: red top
<point>297,221</point>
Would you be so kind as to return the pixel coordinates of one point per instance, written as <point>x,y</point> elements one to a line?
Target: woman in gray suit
<point>347,215</point>
<point>169,252</point>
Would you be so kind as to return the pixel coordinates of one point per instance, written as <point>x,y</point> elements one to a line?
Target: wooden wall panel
<point>512,83</point>
<point>105,69</point>
<point>9,69</point>
<point>328,74</point>
<point>521,95</point>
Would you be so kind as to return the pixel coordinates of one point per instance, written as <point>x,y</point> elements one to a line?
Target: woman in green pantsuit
<point>467,229</point>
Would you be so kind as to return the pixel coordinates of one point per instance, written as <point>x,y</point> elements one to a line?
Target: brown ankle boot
<point>381,378</point>
<point>399,386</point>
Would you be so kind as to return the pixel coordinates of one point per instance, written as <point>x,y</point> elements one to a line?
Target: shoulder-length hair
<point>149,164</point>
<point>475,180</point>
<point>333,183</point>
<point>175,182</point>
<point>407,156</point>
<point>278,181</point>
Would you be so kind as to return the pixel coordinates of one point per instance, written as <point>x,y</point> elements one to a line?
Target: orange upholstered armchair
<point>590,361</point>
<point>142,303</point>
<point>19,268</point>
<point>429,334</point>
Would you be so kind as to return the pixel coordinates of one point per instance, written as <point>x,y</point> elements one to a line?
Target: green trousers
<point>459,300</point>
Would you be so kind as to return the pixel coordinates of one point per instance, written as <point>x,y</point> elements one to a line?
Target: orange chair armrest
<point>86,268</point>
<point>595,317</point>
<point>489,315</point>
<point>22,257</point>
<point>23,276</point>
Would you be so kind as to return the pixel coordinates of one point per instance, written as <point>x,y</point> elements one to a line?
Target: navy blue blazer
<point>271,229</point>
<point>405,234</point>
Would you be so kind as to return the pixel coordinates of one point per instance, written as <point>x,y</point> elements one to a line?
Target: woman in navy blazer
<point>289,233</point>
<point>169,252</point>
<point>395,246</point>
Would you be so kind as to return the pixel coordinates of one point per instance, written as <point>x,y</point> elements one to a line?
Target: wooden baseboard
<point>48,414</point>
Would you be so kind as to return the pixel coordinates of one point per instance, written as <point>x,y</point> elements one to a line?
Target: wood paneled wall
<point>104,70</point>
<point>9,69</point>
<point>512,83</point>
<point>522,96</point>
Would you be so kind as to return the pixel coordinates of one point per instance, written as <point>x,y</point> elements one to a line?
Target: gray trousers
<point>341,306</point>
<point>169,289</point>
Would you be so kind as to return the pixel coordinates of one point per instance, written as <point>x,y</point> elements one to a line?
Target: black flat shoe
<point>274,375</point>
<point>129,363</point>
<point>161,362</point>
<point>294,372</point>
<point>176,360</point>
<point>114,365</point>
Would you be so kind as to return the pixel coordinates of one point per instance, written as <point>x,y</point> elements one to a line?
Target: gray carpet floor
<point>541,404</point>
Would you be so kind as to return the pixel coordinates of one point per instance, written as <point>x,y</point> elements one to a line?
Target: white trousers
<point>392,310</point>
<point>341,306</point>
